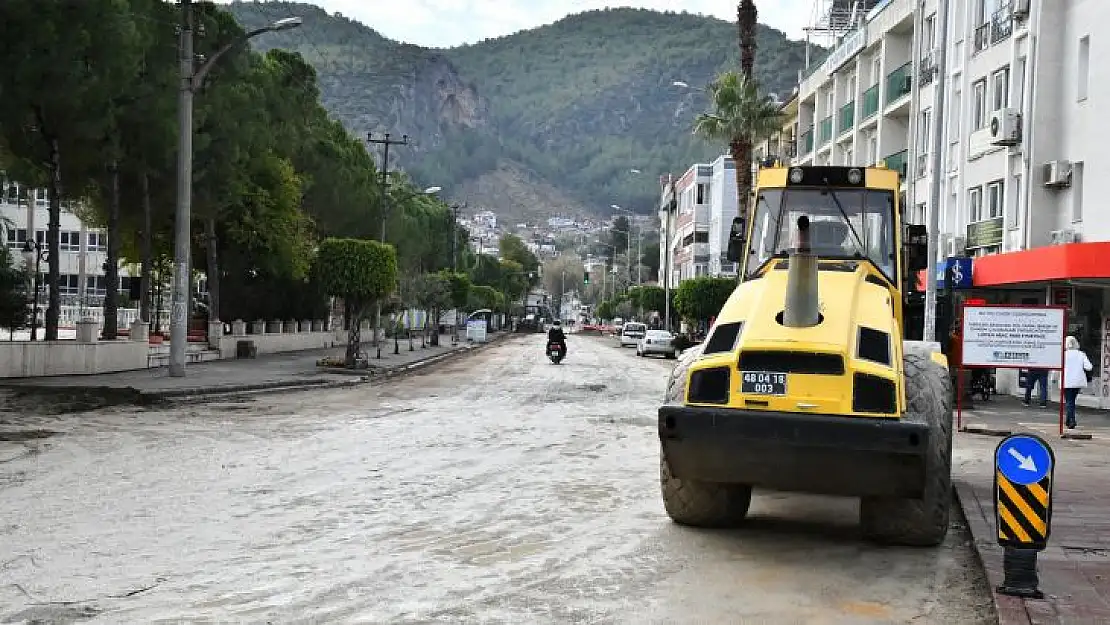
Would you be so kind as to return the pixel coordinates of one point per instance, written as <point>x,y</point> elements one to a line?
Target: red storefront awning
<point>1044,264</point>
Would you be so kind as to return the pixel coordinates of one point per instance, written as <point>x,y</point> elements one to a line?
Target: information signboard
<point>1015,337</point>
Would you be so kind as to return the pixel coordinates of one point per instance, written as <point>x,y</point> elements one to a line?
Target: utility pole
<point>386,142</point>
<point>671,205</point>
<point>455,238</point>
<point>937,165</point>
<point>179,319</point>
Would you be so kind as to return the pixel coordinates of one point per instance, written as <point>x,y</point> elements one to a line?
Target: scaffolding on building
<point>831,20</point>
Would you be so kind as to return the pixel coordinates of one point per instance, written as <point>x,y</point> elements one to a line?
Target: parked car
<point>657,342</point>
<point>632,332</point>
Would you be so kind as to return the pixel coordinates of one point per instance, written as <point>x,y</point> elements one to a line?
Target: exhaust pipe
<point>801,282</point>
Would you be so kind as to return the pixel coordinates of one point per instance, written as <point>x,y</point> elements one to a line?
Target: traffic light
<point>585,277</point>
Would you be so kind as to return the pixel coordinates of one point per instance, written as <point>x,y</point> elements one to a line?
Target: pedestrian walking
<point>1040,378</point>
<point>1076,377</point>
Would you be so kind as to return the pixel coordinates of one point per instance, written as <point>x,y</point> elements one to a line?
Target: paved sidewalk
<point>1075,568</point>
<point>269,372</point>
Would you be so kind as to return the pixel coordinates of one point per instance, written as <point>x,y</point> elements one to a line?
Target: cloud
<point>446,23</point>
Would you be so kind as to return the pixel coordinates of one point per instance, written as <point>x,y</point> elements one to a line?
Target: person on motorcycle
<point>555,335</point>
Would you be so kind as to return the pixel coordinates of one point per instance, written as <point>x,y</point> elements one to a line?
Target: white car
<point>657,342</point>
<point>631,333</point>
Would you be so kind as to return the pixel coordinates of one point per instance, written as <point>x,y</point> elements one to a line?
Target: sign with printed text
<point>1025,337</point>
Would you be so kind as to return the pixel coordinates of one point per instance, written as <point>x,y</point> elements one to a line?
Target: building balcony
<point>805,142</point>
<point>870,102</point>
<point>846,117</point>
<point>899,82</point>
<point>825,131</point>
<point>898,162</point>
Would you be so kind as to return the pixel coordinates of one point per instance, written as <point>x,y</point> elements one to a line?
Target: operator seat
<point>827,237</point>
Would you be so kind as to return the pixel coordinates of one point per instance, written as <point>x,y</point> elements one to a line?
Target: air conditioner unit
<point>1005,127</point>
<point>1057,174</point>
<point>1020,9</point>
<point>956,246</point>
<point>1061,237</point>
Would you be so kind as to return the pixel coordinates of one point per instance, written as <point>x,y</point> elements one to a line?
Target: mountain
<point>548,121</point>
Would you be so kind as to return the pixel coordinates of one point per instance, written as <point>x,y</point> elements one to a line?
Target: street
<point>494,488</point>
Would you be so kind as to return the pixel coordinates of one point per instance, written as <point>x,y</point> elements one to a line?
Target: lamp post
<point>38,254</point>
<point>192,78</point>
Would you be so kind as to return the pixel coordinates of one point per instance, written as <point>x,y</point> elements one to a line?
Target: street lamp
<point>192,79</point>
<point>38,254</point>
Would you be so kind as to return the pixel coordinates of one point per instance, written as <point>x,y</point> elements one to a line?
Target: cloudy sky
<point>445,23</point>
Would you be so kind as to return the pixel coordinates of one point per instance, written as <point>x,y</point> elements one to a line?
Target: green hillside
<point>558,114</point>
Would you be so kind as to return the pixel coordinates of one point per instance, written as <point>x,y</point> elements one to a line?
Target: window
<point>1000,89</point>
<point>954,116</point>
<point>40,197</point>
<point>1083,70</point>
<point>917,214</point>
<point>70,241</point>
<point>98,242</point>
<point>68,284</point>
<point>929,36</point>
<point>703,193</point>
<point>95,285</point>
<point>974,204</point>
<point>1019,83</point>
<point>979,105</point>
<point>701,237</point>
<point>995,193</point>
<point>873,149</point>
<point>876,69</point>
<point>1015,202</point>
<point>851,88</point>
<point>924,130</point>
<point>1077,192</point>
<point>16,238</point>
<point>829,103</point>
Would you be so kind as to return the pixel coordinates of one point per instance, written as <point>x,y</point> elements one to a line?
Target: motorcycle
<point>555,352</point>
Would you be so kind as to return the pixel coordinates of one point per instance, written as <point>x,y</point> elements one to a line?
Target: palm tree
<point>741,116</point>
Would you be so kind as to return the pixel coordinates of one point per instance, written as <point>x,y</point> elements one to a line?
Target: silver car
<point>631,333</point>
<point>656,342</point>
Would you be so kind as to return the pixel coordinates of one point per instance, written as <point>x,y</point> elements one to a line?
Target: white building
<point>82,250</point>
<point>687,225</point>
<point>1023,159</point>
<point>723,208</point>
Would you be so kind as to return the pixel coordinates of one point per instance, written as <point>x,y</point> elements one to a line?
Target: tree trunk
<point>354,336</point>
<point>53,232</point>
<point>213,270</point>
<point>746,17</point>
<point>148,251</point>
<point>741,152</point>
<point>111,270</point>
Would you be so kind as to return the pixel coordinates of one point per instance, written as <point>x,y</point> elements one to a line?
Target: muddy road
<point>495,488</point>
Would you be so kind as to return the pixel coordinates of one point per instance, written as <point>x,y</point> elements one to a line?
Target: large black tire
<point>688,502</point>
<point>702,504</point>
<point>920,522</point>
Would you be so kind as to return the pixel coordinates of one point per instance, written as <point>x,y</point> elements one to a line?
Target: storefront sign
<point>984,233</point>
<point>1013,336</point>
<point>849,47</point>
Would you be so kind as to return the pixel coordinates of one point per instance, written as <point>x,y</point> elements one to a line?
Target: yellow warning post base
<point>1019,567</point>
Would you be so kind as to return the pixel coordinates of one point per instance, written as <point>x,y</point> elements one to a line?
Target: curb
<point>985,430</point>
<point>1009,610</point>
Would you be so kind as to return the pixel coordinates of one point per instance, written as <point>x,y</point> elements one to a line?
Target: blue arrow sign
<point>1023,459</point>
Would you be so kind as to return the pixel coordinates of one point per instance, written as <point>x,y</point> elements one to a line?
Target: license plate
<point>763,383</point>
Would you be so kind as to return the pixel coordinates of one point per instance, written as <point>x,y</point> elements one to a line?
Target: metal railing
<point>1002,25</point>
<point>899,82</point>
<point>898,162</point>
<point>825,131</point>
<point>805,141</point>
<point>927,70</point>
<point>846,117</point>
<point>870,102</point>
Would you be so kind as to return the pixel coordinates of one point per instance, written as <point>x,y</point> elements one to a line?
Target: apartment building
<point>1022,167</point>
<point>687,225</point>
<point>83,250</point>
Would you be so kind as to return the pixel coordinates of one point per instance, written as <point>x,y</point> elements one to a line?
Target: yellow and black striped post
<point>1024,466</point>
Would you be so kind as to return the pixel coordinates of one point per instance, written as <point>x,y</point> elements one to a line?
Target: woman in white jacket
<point>1076,364</point>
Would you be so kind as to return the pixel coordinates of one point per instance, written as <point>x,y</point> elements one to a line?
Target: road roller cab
<point>805,382</point>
